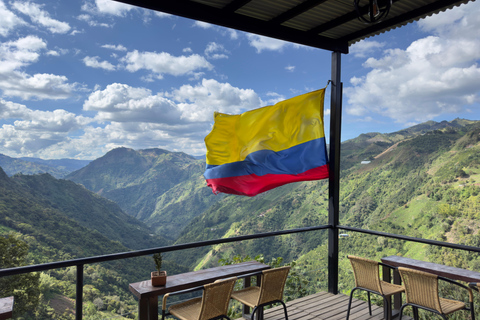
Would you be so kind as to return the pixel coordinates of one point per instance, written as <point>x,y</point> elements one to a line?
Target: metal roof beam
<point>295,11</point>
<point>209,14</point>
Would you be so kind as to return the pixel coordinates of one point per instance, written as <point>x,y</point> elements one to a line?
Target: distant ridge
<point>162,188</point>
<point>57,168</point>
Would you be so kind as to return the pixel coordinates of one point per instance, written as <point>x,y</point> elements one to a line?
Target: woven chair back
<point>366,273</point>
<point>215,299</point>
<point>273,284</point>
<point>421,288</point>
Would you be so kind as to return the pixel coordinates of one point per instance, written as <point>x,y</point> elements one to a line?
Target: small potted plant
<point>159,277</point>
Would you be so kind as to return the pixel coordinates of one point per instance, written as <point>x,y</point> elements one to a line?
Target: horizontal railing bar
<point>407,238</point>
<point>138,253</point>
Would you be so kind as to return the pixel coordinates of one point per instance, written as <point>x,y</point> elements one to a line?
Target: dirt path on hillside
<point>388,150</point>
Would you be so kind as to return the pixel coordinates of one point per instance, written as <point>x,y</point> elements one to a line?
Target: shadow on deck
<point>323,305</point>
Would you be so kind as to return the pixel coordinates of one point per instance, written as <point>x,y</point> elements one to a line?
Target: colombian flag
<point>265,148</point>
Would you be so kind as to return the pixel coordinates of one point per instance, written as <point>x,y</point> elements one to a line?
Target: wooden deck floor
<point>326,306</point>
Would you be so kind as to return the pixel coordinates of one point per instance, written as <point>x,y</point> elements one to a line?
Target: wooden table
<point>6,308</point>
<point>148,295</point>
<point>453,273</point>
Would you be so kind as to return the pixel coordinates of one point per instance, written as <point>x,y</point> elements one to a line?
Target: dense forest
<point>423,182</point>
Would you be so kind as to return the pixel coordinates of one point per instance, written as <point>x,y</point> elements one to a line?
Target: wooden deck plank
<point>325,306</point>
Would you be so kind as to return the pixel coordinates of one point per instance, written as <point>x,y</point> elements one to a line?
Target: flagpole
<point>334,172</point>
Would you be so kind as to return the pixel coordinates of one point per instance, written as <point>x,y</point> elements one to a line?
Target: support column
<point>79,293</point>
<point>334,172</point>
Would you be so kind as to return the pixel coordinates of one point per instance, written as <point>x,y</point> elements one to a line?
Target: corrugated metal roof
<point>326,24</point>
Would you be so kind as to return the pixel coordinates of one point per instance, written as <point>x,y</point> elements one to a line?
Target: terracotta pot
<point>159,278</point>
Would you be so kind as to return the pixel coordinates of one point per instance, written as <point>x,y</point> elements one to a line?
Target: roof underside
<point>326,24</point>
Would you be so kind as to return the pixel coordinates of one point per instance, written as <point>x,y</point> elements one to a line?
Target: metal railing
<point>79,263</point>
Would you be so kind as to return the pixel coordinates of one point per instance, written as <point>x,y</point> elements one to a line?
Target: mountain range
<point>423,181</point>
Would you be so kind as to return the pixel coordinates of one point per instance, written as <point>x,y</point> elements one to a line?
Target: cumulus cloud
<point>435,75</point>
<point>33,130</point>
<point>41,17</point>
<point>203,25</point>
<point>118,47</point>
<point>123,103</point>
<point>94,62</point>
<point>9,20</point>
<point>199,102</point>
<point>262,43</point>
<point>365,47</point>
<point>164,63</point>
<point>14,57</point>
<point>215,51</point>
<point>107,7</point>
<point>92,22</point>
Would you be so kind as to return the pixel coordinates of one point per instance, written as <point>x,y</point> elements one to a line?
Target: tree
<point>24,287</point>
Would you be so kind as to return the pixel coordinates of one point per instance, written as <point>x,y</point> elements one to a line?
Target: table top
<point>6,307</point>
<point>435,268</point>
<point>193,279</point>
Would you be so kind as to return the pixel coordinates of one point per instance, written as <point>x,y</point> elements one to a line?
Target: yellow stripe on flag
<point>278,127</point>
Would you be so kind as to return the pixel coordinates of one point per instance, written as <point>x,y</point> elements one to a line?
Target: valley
<point>423,181</point>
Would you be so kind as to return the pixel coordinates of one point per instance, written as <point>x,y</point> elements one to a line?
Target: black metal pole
<point>334,172</point>
<point>79,294</point>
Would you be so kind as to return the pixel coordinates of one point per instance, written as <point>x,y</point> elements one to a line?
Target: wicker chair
<point>367,278</point>
<point>421,291</point>
<point>212,305</point>
<point>272,284</point>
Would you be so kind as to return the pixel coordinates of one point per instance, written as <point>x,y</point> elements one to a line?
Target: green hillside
<point>89,210</point>
<point>165,189</point>
<point>59,220</point>
<point>419,182</point>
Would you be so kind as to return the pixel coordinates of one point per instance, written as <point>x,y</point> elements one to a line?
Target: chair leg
<point>401,312</point>
<point>253,313</point>
<point>369,303</point>
<point>350,303</point>
<point>472,310</point>
<point>387,314</point>
<point>415,313</point>
<point>285,310</point>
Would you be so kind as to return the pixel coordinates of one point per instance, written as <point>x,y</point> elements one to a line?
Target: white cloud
<point>203,25</point>
<point>433,76</point>
<point>34,130</point>
<point>41,17</point>
<point>93,23</point>
<point>94,62</point>
<point>164,63</point>
<point>123,103</point>
<point>290,68</point>
<point>262,43</point>
<point>198,103</point>
<point>9,20</point>
<point>16,55</point>
<point>118,47</point>
<point>108,7</point>
<point>163,14</point>
<point>216,51</point>
<point>365,47</point>
<point>274,97</point>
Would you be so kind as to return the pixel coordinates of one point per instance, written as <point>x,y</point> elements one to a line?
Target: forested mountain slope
<point>60,220</point>
<point>89,210</point>
<point>419,183</point>
<point>165,189</point>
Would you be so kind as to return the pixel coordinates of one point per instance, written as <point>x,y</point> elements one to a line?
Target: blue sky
<point>79,78</point>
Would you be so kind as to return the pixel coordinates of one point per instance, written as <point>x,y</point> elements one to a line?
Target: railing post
<point>79,294</point>
<point>334,172</point>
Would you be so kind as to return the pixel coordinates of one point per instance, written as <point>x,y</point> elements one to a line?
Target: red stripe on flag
<point>252,185</point>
